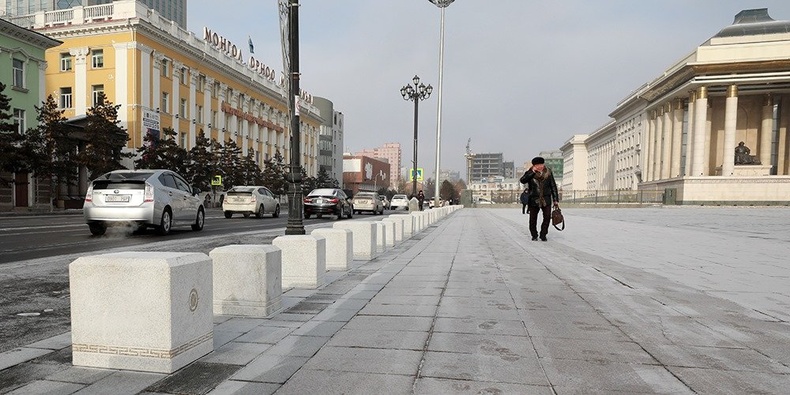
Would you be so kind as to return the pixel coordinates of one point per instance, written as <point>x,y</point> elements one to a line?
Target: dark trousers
<point>533,220</point>
<point>523,208</point>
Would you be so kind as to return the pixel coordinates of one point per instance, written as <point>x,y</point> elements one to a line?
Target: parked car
<point>248,200</point>
<point>331,201</point>
<point>483,201</point>
<point>367,201</point>
<point>159,199</point>
<point>385,201</point>
<point>399,201</point>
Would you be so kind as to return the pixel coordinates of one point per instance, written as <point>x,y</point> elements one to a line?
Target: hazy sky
<point>520,76</point>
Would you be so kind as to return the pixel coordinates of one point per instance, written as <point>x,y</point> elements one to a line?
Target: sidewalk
<point>641,301</point>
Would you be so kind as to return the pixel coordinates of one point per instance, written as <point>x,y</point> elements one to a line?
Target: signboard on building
<point>151,120</point>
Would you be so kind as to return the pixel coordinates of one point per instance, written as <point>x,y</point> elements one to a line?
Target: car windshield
<point>399,197</point>
<point>322,192</point>
<point>241,191</point>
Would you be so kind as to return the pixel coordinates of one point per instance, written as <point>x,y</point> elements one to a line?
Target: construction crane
<point>469,155</point>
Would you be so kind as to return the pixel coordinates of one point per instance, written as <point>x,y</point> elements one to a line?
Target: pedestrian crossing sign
<point>416,174</point>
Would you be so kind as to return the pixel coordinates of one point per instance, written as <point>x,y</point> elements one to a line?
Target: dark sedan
<point>331,201</point>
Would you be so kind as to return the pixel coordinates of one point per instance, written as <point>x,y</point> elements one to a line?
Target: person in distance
<point>542,195</point>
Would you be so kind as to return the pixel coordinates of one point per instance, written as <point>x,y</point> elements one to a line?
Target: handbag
<point>557,218</point>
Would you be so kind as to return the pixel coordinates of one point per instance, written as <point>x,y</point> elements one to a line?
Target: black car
<point>330,201</point>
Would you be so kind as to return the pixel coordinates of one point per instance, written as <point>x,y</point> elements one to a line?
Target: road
<point>35,252</point>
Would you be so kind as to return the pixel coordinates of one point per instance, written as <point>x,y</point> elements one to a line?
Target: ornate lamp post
<point>415,93</point>
<point>442,4</point>
<point>295,224</point>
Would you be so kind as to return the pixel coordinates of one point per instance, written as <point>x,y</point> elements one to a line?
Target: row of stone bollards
<point>153,311</point>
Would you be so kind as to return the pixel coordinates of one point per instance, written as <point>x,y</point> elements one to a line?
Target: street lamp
<point>415,93</point>
<point>442,4</point>
<point>295,225</point>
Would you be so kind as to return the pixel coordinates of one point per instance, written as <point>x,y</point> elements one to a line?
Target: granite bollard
<point>408,224</point>
<point>304,260</point>
<point>339,247</point>
<point>247,280</point>
<point>397,223</point>
<point>364,238</point>
<point>145,311</point>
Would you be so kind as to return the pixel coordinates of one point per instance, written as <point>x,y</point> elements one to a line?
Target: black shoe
<point>534,238</point>
<point>543,238</point>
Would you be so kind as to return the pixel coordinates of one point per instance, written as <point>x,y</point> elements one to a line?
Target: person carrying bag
<point>543,195</point>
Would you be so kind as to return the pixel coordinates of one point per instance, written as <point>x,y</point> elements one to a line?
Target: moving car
<point>367,201</point>
<point>331,201</point>
<point>247,200</point>
<point>399,201</point>
<point>159,199</point>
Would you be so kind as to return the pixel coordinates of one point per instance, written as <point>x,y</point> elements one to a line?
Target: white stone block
<point>364,235</point>
<point>339,247</point>
<point>304,260</point>
<point>247,280</point>
<point>381,237</point>
<point>408,224</point>
<point>389,231</point>
<point>146,311</point>
<point>398,228</point>
<point>419,221</point>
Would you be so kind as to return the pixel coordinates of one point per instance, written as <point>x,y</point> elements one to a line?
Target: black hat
<point>538,160</point>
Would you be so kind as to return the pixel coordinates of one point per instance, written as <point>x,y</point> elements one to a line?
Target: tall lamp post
<point>442,4</point>
<point>295,225</point>
<point>415,93</point>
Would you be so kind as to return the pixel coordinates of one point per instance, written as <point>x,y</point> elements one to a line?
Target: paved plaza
<point>661,300</point>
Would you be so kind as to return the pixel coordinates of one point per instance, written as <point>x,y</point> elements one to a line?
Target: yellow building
<point>164,76</point>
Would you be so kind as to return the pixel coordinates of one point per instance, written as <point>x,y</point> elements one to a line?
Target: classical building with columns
<point>163,76</point>
<point>678,133</point>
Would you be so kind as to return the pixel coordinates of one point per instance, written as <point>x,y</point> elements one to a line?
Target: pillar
<point>700,130</point>
<point>656,156</point>
<point>666,143</point>
<point>192,108</point>
<point>79,93</point>
<point>647,146</point>
<point>766,131</point>
<point>690,134</point>
<point>175,100</point>
<point>730,122</point>
<point>677,136</point>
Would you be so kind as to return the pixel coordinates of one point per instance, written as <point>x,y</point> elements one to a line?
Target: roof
<point>754,22</point>
<point>27,35</point>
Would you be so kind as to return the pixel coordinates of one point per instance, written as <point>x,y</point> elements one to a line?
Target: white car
<point>367,201</point>
<point>159,199</point>
<point>248,200</point>
<point>399,201</point>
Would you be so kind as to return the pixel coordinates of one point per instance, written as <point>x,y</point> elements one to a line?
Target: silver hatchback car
<point>248,200</point>
<point>159,199</point>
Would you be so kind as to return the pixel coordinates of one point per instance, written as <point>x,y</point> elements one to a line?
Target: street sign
<point>216,181</point>
<point>418,174</point>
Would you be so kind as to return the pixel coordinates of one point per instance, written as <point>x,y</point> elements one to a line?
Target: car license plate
<point>117,198</point>
<point>319,201</point>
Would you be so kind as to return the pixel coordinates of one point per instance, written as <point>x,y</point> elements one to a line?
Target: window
<point>165,68</point>
<point>201,83</point>
<point>213,118</point>
<point>199,115</point>
<point>165,101</point>
<point>97,58</point>
<point>65,62</point>
<point>98,94</point>
<point>183,138</point>
<point>182,108</point>
<point>19,73</point>
<point>65,97</point>
<point>215,91</point>
<point>183,76</point>
<point>19,120</point>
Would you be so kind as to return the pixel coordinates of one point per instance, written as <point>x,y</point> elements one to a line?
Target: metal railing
<point>600,196</point>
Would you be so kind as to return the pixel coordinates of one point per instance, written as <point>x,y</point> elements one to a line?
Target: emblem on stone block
<point>193,300</point>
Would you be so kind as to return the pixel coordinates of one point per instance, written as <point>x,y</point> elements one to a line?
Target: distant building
<point>484,166</point>
<point>555,162</point>
<point>391,152</point>
<point>363,173</point>
<point>449,175</point>
<point>330,139</point>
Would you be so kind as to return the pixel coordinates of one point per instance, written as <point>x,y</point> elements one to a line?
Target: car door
<point>267,204</point>
<point>172,196</point>
<point>189,203</point>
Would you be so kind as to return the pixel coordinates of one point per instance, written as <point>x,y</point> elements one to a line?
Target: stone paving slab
<point>639,301</point>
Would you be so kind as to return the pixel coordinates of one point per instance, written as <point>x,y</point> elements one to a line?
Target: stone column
<point>690,134</point>
<point>145,75</point>
<point>666,144</point>
<point>208,92</point>
<point>42,87</point>
<point>175,102</point>
<point>156,85</point>
<point>677,135</point>
<point>700,130</point>
<point>766,131</point>
<point>192,108</point>
<point>647,147</point>
<point>79,94</point>
<point>223,98</point>
<point>730,122</point>
<point>657,144</point>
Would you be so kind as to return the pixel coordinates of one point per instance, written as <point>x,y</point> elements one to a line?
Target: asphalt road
<point>35,252</point>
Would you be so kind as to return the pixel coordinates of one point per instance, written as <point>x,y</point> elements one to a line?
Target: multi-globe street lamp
<point>442,4</point>
<point>415,93</point>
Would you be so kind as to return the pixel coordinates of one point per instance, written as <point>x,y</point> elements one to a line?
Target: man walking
<point>542,195</point>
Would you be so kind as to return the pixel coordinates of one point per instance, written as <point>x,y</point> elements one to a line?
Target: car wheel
<point>166,223</point>
<point>228,214</point>
<point>246,215</point>
<point>276,212</point>
<point>200,220</point>
<point>306,216</point>
<point>339,215</point>
<point>259,214</point>
<point>350,213</point>
<point>97,229</point>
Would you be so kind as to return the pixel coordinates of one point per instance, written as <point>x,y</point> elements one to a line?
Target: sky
<point>519,76</point>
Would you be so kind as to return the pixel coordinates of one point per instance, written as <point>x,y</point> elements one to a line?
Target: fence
<point>584,196</point>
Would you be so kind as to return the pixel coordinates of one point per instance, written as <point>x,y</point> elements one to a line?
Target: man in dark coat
<point>542,195</point>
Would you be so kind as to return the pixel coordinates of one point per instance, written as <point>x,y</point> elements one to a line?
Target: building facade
<point>680,133</point>
<point>23,65</point>
<point>485,165</point>
<point>174,10</point>
<point>330,139</point>
<point>391,152</point>
<point>163,76</point>
<point>364,173</point>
